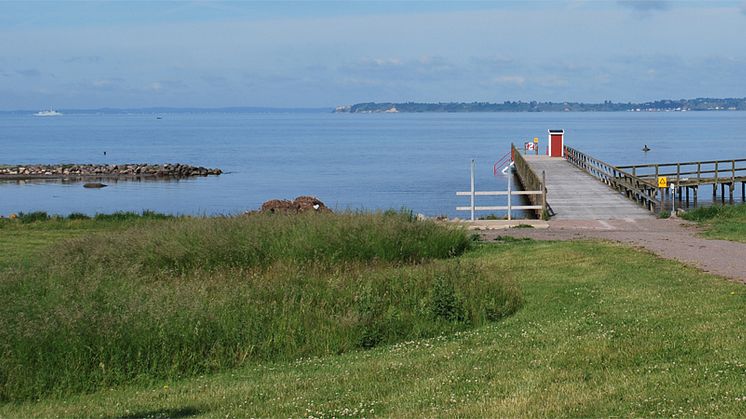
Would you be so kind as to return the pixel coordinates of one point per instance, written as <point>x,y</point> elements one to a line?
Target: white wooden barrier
<point>510,193</point>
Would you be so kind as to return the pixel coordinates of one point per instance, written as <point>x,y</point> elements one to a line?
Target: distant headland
<point>665,105</point>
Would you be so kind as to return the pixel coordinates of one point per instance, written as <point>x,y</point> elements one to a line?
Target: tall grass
<point>726,222</point>
<point>179,246</point>
<point>715,211</point>
<point>43,220</point>
<point>188,296</point>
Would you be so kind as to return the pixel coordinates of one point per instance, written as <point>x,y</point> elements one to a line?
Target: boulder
<point>298,205</point>
<point>310,203</point>
<point>274,206</point>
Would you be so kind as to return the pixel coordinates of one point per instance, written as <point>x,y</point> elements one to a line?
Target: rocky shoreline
<point>71,171</point>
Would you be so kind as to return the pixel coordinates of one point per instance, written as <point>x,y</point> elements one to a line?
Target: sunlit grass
<point>604,331</point>
<point>727,222</point>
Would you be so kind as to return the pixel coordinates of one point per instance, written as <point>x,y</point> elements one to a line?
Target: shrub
<point>32,217</point>
<point>444,303</point>
<point>78,216</point>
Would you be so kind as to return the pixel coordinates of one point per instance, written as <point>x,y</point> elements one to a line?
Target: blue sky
<point>307,53</point>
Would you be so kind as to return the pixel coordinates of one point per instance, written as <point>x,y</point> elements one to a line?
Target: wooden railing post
<point>732,181</point>
<point>657,190</point>
<point>678,181</point>
<point>544,212</point>
<point>715,184</point>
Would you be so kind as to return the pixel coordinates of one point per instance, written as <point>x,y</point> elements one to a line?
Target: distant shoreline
<point>666,105</point>
<point>662,105</point>
<point>170,110</point>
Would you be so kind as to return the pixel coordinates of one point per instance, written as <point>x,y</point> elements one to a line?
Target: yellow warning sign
<point>662,182</point>
<point>536,139</point>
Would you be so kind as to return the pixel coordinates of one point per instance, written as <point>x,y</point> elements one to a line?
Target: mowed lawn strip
<point>604,330</point>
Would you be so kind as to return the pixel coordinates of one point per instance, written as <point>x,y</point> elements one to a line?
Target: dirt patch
<point>671,239</point>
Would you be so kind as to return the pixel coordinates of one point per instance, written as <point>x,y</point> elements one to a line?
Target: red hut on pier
<point>556,146</point>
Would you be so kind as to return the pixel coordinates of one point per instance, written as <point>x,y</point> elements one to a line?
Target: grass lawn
<point>603,330</point>
<point>726,222</point>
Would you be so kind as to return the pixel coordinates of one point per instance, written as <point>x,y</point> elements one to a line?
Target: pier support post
<point>695,196</point>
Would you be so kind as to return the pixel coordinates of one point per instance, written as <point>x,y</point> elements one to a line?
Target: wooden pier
<point>579,186</point>
<point>574,194</point>
<point>690,176</point>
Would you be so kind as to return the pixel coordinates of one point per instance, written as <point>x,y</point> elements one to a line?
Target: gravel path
<point>671,238</point>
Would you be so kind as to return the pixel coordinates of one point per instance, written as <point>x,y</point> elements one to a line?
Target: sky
<point>127,54</point>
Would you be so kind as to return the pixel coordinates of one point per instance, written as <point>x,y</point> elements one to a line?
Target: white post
<point>510,193</point>
<point>472,189</point>
<point>673,199</point>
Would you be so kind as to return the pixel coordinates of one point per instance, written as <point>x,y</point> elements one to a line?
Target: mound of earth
<point>299,205</point>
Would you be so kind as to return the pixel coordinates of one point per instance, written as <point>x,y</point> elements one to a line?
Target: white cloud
<point>553,81</point>
<point>508,80</point>
<point>101,83</point>
<point>645,6</point>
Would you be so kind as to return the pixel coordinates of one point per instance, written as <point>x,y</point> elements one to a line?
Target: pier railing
<point>634,187</point>
<point>696,172</point>
<point>531,182</point>
<point>693,174</point>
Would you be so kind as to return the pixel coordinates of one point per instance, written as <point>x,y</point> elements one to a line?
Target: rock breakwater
<point>176,170</point>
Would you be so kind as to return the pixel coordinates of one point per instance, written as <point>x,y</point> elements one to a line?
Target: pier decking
<point>573,194</point>
<point>578,186</point>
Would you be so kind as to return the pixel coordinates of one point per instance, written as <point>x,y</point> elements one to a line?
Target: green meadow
<point>354,315</point>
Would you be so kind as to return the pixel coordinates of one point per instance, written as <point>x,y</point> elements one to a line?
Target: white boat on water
<point>48,113</point>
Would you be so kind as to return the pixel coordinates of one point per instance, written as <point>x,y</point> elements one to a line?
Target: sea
<point>357,162</point>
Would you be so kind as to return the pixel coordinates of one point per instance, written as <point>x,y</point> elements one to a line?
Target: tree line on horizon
<point>698,104</point>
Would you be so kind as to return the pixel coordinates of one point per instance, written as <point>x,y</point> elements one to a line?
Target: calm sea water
<point>349,161</point>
